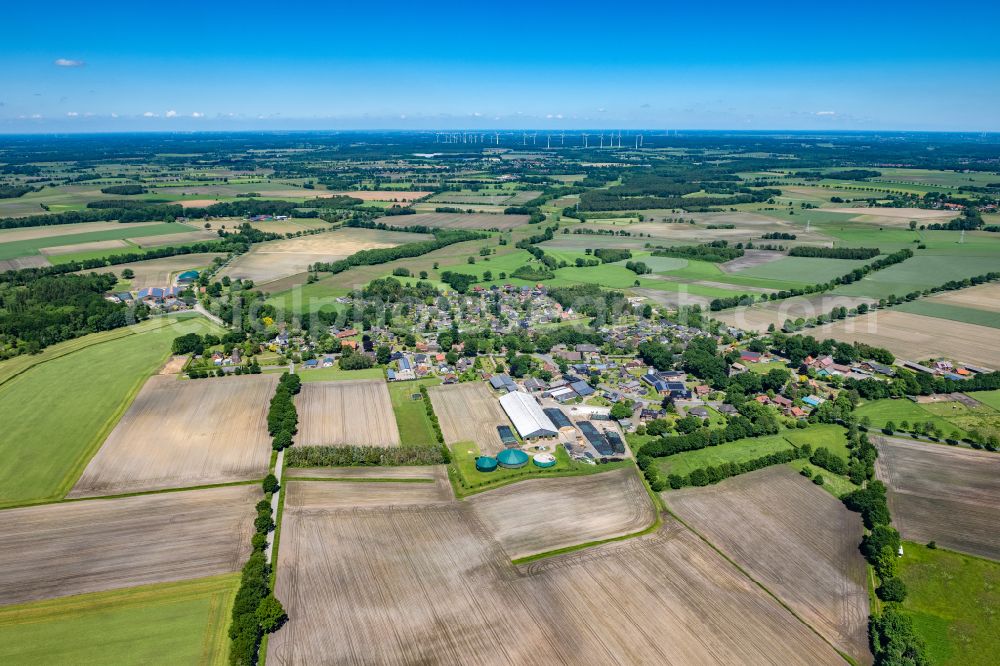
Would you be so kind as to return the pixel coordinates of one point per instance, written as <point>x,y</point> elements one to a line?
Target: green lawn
<point>882,411</point>
<point>742,449</point>
<point>836,485</point>
<point>411,415</point>
<point>989,398</point>
<point>336,374</point>
<point>170,623</point>
<point>467,480</point>
<point>57,412</point>
<point>954,601</point>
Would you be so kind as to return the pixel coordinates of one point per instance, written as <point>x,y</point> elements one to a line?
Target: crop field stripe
<point>359,479</point>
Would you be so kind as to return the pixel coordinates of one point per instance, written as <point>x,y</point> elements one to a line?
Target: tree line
<point>834,252</point>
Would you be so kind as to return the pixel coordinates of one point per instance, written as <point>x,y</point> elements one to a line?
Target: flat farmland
<point>35,261</point>
<point>176,239</point>
<point>44,456</point>
<point>83,247</point>
<point>346,412</point>
<point>942,493</point>
<point>761,315</point>
<point>58,550</point>
<point>166,623</point>
<point>179,434</point>
<point>358,493</point>
<point>894,216</point>
<point>377,195</point>
<point>796,540</point>
<point>427,473</point>
<point>570,511</point>
<point>923,272</point>
<point>159,272</point>
<point>975,305</point>
<point>806,270</point>
<point>429,585</point>
<point>34,233</point>
<point>916,337</point>
<point>456,220</point>
<point>980,297</point>
<point>469,413</point>
<point>277,259</point>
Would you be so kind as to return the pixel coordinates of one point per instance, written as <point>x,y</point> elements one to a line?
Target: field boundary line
<point>763,587</point>
<point>359,479</point>
<point>137,493</point>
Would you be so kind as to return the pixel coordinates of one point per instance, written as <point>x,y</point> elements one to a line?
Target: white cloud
<point>197,114</point>
<point>826,113</point>
<point>149,114</point>
<point>36,116</point>
<point>72,114</point>
<point>171,114</point>
<point>114,115</point>
<point>477,114</point>
<point>66,62</point>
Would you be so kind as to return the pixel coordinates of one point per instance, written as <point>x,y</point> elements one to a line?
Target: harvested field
<point>197,203</point>
<point>915,337</point>
<point>894,216</point>
<point>173,366</point>
<point>672,299</point>
<point>469,413</point>
<point>83,247</point>
<point>176,239</point>
<point>179,434</point>
<point>277,259</point>
<point>428,585</point>
<point>31,233</point>
<point>56,550</point>
<point>23,262</point>
<point>981,297</point>
<point>795,539</point>
<point>942,493</point>
<point>426,472</point>
<point>540,515</point>
<point>759,316</point>
<point>456,220</point>
<point>346,412</point>
<point>330,495</point>
<point>159,272</point>
<point>750,259</point>
<point>376,195</point>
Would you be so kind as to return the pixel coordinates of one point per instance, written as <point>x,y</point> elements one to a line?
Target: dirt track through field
<point>69,548</point>
<point>943,493</point>
<point>346,412</point>
<point>469,413</point>
<point>184,433</point>
<point>547,514</point>
<point>427,584</point>
<point>795,539</point>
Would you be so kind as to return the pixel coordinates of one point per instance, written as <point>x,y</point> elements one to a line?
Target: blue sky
<point>98,66</point>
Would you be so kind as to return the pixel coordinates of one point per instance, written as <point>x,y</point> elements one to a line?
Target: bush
<point>892,589</point>
<point>270,614</point>
<point>270,483</point>
<point>893,640</point>
<point>818,479</point>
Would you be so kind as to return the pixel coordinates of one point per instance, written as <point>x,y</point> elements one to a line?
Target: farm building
<point>582,388</point>
<point>506,435</point>
<point>596,438</point>
<point>527,416</point>
<point>559,419</point>
<point>503,383</point>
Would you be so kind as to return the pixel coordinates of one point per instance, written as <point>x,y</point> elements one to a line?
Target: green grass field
<point>952,312</point>
<point>24,248</point>
<point>411,415</point>
<point>921,272</point>
<point>826,435</point>
<point>989,398</point>
<point>954,601</point>
<point>170,623</point>
<point>882,411</point>
<point>59,410</point>
<point>738,451</point>
<point>336,374</point>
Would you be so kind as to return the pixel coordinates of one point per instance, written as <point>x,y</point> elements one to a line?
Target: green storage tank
<point>486,463</point>
<point>512,458</point>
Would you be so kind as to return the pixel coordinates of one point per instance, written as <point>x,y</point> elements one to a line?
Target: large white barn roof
<point>527,416</point>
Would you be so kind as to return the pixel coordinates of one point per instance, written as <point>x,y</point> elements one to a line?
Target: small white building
<point>527,416</point>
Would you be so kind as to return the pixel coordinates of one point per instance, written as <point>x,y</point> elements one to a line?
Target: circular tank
<point>486,463</point>
<point>512,458</point>
<point>544,460</point>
